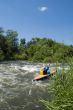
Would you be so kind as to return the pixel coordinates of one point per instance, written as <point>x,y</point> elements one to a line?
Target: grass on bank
<point>61,91</point>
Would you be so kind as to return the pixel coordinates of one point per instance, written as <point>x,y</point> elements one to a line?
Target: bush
<point>1,55</point>
<point>20,56</point>
<point>62,91</point>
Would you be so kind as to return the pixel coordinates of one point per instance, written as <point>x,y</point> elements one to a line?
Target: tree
<point>1,55</point>
<point>12,41</point>
<point>3,45</point>
<point>22,42</point>
<point>1,31</point>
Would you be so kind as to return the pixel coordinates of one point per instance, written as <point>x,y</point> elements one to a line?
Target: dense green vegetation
<point>38,49</point>
<point>61,92</point>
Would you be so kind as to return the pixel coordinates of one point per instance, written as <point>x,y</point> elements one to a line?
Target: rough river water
<point>17,89</point>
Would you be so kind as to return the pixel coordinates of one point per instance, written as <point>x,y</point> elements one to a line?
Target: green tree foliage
<point>22,55</point>
<point>8,43</point>
<point>3,46</point>
<point>22,45</point>
<point>37,49</point>
<point>1,55</point>
<point>47,50</point>
<point>12,40</point>
<point>1,31</point>
<point>22,42</point>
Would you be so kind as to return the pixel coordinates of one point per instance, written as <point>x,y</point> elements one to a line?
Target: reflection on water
<point>17,90</point>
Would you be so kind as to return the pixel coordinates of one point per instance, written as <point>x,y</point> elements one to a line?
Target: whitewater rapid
<point>17,89</point>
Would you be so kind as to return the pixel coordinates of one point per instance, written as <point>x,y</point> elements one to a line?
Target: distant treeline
<point>37,49</point>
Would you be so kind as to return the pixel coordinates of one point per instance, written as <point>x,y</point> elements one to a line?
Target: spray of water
<point>18,91</point>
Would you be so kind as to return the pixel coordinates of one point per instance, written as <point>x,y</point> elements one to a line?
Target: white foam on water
<point>30,68</point>
<point>30,92</point>
<point>37,106</point>
<point>20,78</point>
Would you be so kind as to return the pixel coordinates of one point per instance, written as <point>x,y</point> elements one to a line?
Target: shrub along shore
<point>37,49</point>
<point>61,91</point>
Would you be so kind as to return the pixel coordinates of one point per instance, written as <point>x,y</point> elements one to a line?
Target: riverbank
<point>62,92</point>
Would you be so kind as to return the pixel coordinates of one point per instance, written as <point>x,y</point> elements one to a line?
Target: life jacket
<point>41,72</point>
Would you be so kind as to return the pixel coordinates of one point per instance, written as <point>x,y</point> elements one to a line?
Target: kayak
<point>42,77</point>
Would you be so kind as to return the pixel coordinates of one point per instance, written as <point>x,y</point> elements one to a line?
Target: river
<point>17,89</point>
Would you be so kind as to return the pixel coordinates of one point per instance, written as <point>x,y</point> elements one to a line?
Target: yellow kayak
<point>41,77</point>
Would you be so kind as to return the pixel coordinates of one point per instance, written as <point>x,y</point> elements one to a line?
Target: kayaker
<point>46,70</point>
